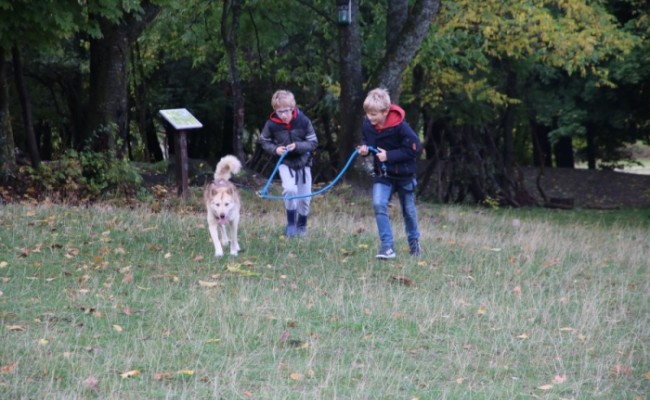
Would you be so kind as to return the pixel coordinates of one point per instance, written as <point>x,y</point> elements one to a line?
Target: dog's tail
<point>226,167</point>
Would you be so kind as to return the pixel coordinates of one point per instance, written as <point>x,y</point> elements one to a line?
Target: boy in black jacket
<point>288,129</point>
<point>394,167</point>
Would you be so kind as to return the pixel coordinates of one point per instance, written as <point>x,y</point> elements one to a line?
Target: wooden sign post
<point>181,120</point>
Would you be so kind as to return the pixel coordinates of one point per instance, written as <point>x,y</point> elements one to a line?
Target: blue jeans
<point>381,194</point>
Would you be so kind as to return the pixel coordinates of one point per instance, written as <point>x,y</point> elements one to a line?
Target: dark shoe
<point>301,225</point>
<point>414,248</point>
<point>385,253</point>
<point>290,231</point>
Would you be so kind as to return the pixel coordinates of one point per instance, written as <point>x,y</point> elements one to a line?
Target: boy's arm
<point>311,140</point>
<point>266,140</point>
<point>410,145</point>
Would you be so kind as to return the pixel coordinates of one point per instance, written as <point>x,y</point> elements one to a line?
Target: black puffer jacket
<point>401,143</point>
<point>299,131</point>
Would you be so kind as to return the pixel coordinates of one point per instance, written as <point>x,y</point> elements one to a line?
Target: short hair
<point>377,100</point>
<point>283,98</point>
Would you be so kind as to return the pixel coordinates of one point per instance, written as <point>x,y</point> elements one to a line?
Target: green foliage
<point>86,175</point>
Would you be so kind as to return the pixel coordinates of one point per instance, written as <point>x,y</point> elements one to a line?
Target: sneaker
<point>386,253</point>
<point>414,248</point>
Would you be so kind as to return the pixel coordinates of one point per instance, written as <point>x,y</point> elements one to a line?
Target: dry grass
<point>128,304</point>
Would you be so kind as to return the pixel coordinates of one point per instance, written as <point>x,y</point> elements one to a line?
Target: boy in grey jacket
<point>289,130</point>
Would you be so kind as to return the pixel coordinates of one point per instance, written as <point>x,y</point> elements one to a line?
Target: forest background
<point>490,86</point>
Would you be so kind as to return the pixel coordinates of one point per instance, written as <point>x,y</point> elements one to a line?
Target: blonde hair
<point>283,98</point>
<point>377,100</point>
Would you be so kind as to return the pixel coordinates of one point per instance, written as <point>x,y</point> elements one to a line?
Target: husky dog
<point>223,205</point>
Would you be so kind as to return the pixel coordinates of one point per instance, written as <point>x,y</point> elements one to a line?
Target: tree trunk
<point>509,124</point>
<point>26,105</point>
<point>107,116</point>
<point>153,152</point>
<point>229,28</point>
<point>7,146</point>
<point>405,45</point>
<point>563,150</point>
<point>351,98</point>
<point>591,147</point>
<point>542,152</point>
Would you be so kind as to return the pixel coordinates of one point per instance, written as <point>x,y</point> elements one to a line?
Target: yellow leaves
<point>43,342</point>
<point>131,374</point>
<point>482,310</point>
<point>207,284</point>
<point>237,268</point>
<point>117,328</point>
<point>15,328</point>
<point>3,264</point>
<point>557,380</point>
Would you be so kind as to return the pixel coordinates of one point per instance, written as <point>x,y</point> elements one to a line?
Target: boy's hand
<point>280,150</point>
<point>381,154</point>
<point>363,150</point>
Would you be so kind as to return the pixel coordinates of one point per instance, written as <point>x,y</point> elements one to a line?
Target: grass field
<point>112,303</point>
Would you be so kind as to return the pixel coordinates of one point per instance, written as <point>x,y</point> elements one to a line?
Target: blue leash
<point>264,192</point>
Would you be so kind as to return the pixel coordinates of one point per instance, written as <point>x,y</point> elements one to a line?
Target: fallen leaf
<point>296,376</point>
<point>168,255</point>
<point>127,278</point>
<point>402,279</point>
<point>14,328</point>
<point>9,368</point>
<point>206,284</point>
<point>130,374</point>
<point>621,369</point>
<point>647,375</point>
<point>545,387</point>
<point>523,336</point>
<point>482,310</point>
<point>186,372</point>
<point>516,291</point>
<point>162,375</point>
<point>43,342</point>
<point>3,264</point>
<point>559,378</point>
<point>117,328</point>
<point>91,383</point>
<point>198,258</point>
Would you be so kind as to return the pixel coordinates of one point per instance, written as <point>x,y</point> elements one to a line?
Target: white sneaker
<point>386,253</point>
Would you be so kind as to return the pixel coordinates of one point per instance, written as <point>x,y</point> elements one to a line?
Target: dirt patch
<point>591,188</point>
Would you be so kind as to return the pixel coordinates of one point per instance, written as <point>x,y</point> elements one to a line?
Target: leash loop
<point>264,192</point>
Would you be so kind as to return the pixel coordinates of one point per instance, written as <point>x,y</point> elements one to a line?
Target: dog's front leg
<point>234,245</point>
<point>214,234</point>
<point>224,235</point>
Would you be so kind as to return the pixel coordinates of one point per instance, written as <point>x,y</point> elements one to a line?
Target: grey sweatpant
<point>296,183</point>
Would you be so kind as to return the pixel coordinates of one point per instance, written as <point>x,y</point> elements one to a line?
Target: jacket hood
<point>395,117</point>
<point>274,117</point>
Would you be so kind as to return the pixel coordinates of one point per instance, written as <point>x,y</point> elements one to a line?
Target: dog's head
<point>221,201</point>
